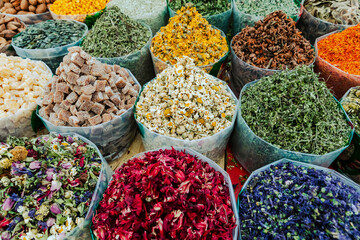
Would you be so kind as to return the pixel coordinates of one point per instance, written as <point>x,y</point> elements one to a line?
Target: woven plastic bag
<point>139,62</point>
<point>335,78</point>
<point>212,147</point>
<point>213,165</point>
<point>112,138</point>
<point>333,173</point>
<point>242,19</point>
<point>253,152</point>
<point>220,20</point>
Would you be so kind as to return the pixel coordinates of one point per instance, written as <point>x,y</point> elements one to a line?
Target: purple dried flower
<point>35,165</point>
<point>8,204</point>
<point>66,165</point>
<point>55,208</point>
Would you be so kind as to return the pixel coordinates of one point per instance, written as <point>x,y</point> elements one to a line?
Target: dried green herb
<point>265,7</point>
<point>335,11</point>
<point>49,34</point>
<point>295,111</point>
<point>114,34</point>
<point>204,7</point>
<point>351,104</point>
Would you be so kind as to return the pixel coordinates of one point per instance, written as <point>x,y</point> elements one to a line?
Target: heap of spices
<point>115,34</point>
<point>341,50</point>
<point>185,102</point>
<point>297,112</point>
<point>47,184</point>
<point>345,12</point>
<point>288,201</point>
<point>86,92</point>
<point>204,7</point>
<point>351,105</point>
<point>9,27</point>
<point>189,34</point>
<point>265,7</point>
<point>23,7</point>
<point>165,194</point>
<point>273,43</point>
<point>50,34</point>
<point>76,7</point>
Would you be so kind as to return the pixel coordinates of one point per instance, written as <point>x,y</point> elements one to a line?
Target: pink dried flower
<point>165,194</point>
<point>8,204</point>
<point>35,165</point>
<point>55,208</point>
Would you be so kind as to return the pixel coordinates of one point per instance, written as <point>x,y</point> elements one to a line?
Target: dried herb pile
<point>265,7</point>
<point>351,105</point>
<point>335,11</point>
<point>165,194</point>
<point>115,34</point>
<point>295,111</point>
<point>273,43</point>
<point>204,7</point>
<point>296,202</point>
<point>189,34</point>
<point>49,34</point>
<point>342,50</point>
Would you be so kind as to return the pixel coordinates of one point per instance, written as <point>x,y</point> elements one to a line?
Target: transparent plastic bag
<point>213,68</point>
<point>241,19</point>
<point>213,165</point>
<point>103,181</point>
<point>113,138</point>
<point>18,124</point>
<point>31,18</point>
<point>313,28</point>
<point>337,80</point>
<point>252,152</point>
<point>139,62</point>
<point>211,146</point>
<point>333,173</point>
<point>51,56</point>
<point>220,20</point>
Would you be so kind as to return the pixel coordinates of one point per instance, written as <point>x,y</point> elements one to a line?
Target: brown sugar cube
<point>84,98</point>
<point>100,85</point>
<point>65,104</point>
<point>48,99</point>
<point>73,109</point>
<point>97,69</point>
<point>131,80</point>
<point>67,59</point>
<point>72,97</point>
<point>74,121</point>
<point>85,55</point>
<point>106,118</point>
<point>64,115</point>
<point>63,76</point>
<point>137,88</point>
<point>116,68</point>
<point>115,99</point>
<point>123,73</point>
<point>133,92</point>
<point>75,58</point>
<point>109,104</point>
<point>74,49</point>
<point>74,68</point>
<point>82,115</point>
<point>72,77</point>
<point>85,69</point>
<point>121,111</point>
<point>95,120</point>
<point>86,106</point>
<point>77,89</point>
<point>58,97</point>
<point>127,106</point>
<point>99,97</point>
<point>97,108</point>
<point>104,76</point>
<point>108,68</point>
<point>85,80</point>
<point>127,97</point>
<point>48,109</point>
<point>56,121</point>
<point>57,108</point>
<point>120,83</point>
<point>111,110</point>
<point>108,91</point>
<point>62,87</point>
<point>43,114</point>
<point>131,101</point>
<point>126,89</point>
<point>88,90</point>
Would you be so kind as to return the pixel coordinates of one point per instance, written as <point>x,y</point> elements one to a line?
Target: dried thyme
<point>351,104</point>
<point>114,34</point>
<point>297,112</point>
<point>265,7</point>
<point>204,7</point>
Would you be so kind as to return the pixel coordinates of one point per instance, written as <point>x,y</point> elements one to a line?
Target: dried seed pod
<point>24,5</point>
<point>32,8</point>
<point>10,11</point>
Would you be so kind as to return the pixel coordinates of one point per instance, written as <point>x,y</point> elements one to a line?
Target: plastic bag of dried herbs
<point>275,203</point>
<point>217,14</point>
<point>117,39</point>
<point>291,115</point>
<point>151,12</point>
<point>246,13</point>
<point>338,60</point>
<point>321,17</point>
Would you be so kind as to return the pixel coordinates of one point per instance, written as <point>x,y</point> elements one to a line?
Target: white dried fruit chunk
<point>185,102</point>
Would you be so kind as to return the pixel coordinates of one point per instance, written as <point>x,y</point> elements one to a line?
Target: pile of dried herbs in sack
<point>295,111</point>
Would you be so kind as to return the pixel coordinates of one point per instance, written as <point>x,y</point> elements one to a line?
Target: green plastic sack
<point>220,20</point>
<point>253,152</point>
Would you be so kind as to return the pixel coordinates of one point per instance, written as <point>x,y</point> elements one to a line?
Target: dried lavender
<point>297,112</point>
<point>115,34</point>
<point>287,201</point>
<point>265,7</point>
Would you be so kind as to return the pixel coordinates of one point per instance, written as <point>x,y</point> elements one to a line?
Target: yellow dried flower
<point>189,34</point>
<point>19,153</point>
<point>5,163</point>
<point>42,212</point>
